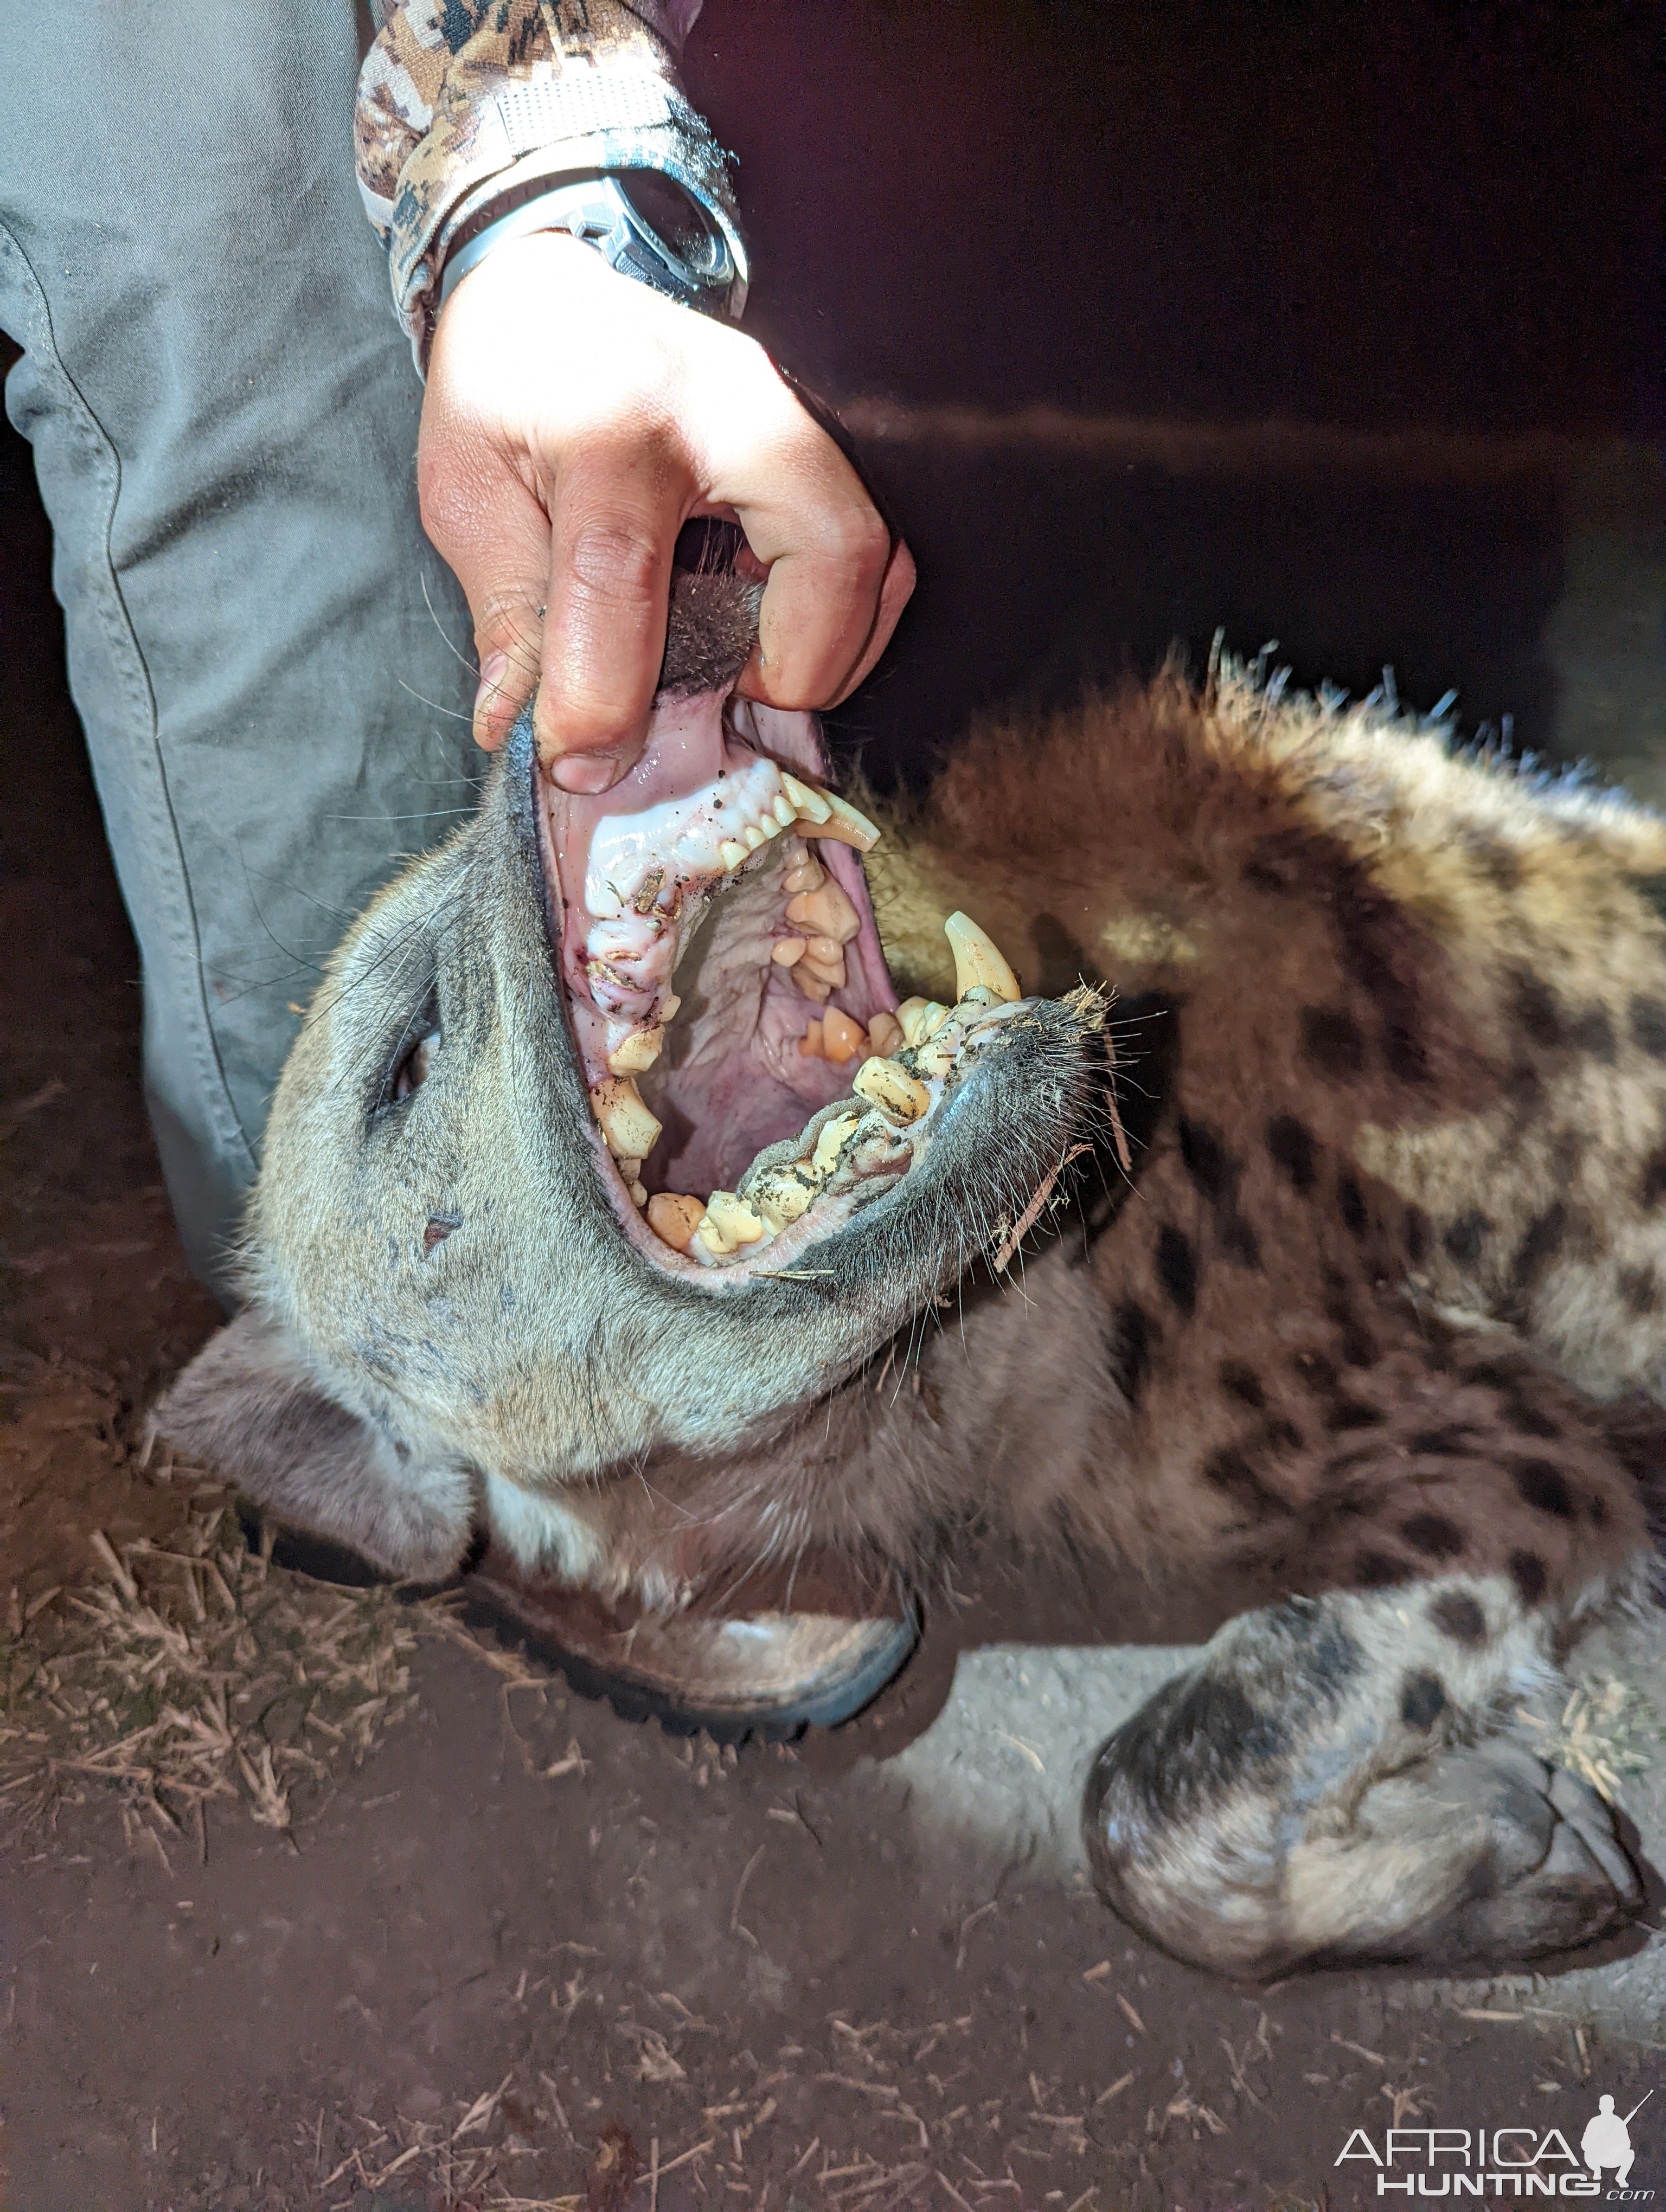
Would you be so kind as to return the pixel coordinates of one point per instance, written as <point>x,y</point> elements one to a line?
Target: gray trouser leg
<point>223,413</point>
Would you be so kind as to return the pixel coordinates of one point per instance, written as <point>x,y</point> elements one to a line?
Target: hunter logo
<point>1512,2161</point>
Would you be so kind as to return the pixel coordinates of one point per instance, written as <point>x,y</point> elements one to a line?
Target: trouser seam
<point>176,913</point>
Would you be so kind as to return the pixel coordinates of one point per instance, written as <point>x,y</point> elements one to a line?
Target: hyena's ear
<point>249,1408</point>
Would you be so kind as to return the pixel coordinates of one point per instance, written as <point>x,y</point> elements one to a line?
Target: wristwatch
<point>644,223</point>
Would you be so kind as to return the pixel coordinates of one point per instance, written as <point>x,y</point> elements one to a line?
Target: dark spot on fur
<point>1207,1162</point>
<point>1454,1436</point>
<point>1417,1235</point>
<point>1331,1043</point>
<point>1526,1417</point>
<point>1242,1383</point>
<point>440,1227</point>
<point>1543,1487</point>
<point>1433,1535</point>
<point>1279,1435</point>
<point>1378,1571</point>
<point>1197,1738</point>
<point>1536,1008</point>
<point>1291,1144</point>
<point>1539,1247</point>
<point>1649,1024</point>
<point>1496,1374</point>
<point>1524,1087</point>
<point>1239,1242</point>
<point>1592,1034</point>
<point>1230,1471</point>
<point>1653,1189</point>
<point>1494,861</point>
<point>1176,1268</point>
<point>1463,1238</point>
<point>1351,1204</point>
<point>1344,1415</point>
<point>1422,1700</point>
<point>1596,1510</point>
<point>1316,1372</point>
<point>1527,1571</point>
<point>1640,1287</point>
<point>1134,1339</point>
<point>1456,1614</point>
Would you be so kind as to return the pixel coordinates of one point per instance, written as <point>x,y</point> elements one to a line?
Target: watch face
<point>678,224</point>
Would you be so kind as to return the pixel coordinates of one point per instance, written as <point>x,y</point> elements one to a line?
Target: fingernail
<point>586,773</point>
<point>491,675</point>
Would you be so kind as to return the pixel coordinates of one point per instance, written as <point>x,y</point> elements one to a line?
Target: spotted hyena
<point>1270,1184</point>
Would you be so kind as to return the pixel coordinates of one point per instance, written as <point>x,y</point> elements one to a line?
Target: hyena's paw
<point>1315,1792</point>
<point>1532,1856</point>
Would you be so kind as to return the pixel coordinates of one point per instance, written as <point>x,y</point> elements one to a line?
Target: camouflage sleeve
<point>461,100</point>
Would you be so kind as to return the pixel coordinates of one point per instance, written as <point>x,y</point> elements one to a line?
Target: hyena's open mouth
<point>753,1080</point>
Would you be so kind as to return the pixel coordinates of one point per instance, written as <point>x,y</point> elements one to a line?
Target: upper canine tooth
<point>631,1130</point>
<point>639,1051</point>
<point>847,827</point>
<point>979,959</point>
<point>892,1089</point>
<point>732,856</point>
<point>808,803</point>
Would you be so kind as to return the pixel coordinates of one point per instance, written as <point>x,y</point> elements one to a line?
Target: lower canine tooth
<point>631,1130</point>
<point>735,1219</point>
<point>979,959</point>
<point>892,1089</point>
<point>674,1219</point>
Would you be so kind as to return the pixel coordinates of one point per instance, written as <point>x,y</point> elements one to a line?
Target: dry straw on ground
<point>189,1672</point>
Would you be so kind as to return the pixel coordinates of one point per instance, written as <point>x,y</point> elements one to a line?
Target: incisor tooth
<point>833,1134</point>
<point>979,959</point>
<point>841,1038</point>
<point>637,1052</point>
<point>784,812</point>
<point>631,1130</point>
<point>810,803</point>
<point>732,856</point>
<point>752,836</point>
<point>892,1089</point>
<point>673,1219</point>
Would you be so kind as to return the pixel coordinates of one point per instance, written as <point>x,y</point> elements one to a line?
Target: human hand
<point>574,421</point>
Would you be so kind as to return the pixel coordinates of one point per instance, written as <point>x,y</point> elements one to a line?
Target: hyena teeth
<point>752,837</point>
<point>810,805</point>
<point>829,1142</point>
<point>978,959</point>
<point>804,874</point>
<point>631,1130</point>
<point>841,1038</point>
<point>787,949</point>
<point>897,1094</point>
<point>785,813</point>
<point>638,1052</point>
<point>810,1044</point>
<point>885,1035</point>
<point>939,1053</point>
<point>732,855</point>
<point>825,911</point>
<point>812,985</point>
<point>921,1018</point>
<point>847,827</point>
<point>781,1197</point>
<point>735,1221</point>
<point>674,1219</point>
